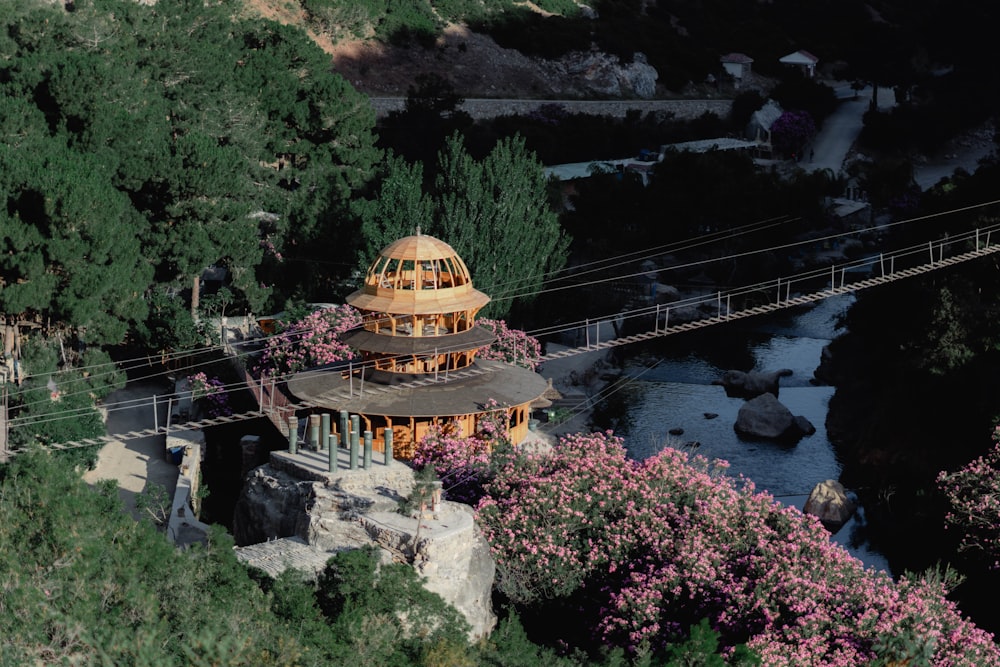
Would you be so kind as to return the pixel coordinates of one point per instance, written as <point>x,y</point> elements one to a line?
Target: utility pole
<point>4,455</point>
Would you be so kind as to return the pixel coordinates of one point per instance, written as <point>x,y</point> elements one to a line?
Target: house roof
<point>799,58</point>
<point>739,58</point>
<point>767,114</point>
<point>458,393</point>
<point>418,275</point>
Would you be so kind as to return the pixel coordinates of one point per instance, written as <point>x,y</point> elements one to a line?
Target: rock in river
<point>766,417</point>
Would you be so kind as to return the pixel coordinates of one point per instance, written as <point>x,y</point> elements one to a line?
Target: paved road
<point>135,463</point>
<point>841,129</point>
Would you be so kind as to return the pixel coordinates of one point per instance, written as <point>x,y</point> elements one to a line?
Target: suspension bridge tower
<point>419,310</point>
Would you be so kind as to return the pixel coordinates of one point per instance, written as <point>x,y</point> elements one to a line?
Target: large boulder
<point>640,76</point>
<point>766,417</point>
<point>326,514</point>
<point>830,503</point>
<point>739,384</point>
<point>604,74</point>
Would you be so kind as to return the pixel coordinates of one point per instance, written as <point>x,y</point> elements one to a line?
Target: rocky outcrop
<point>830,503</point>
<point>739,384</point>
<point>641,77</point>
<point>272,505</point>
<point>333,512</point>
<point>766,417</point>
<point>604,75</point>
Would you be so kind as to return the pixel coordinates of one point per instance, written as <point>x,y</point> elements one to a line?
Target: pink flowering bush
<point>312,341</point>
<point>463,464</point>
<point>212,393</point>
<point>512,345</point>
<point>973,495</point>
<point>659,544</point>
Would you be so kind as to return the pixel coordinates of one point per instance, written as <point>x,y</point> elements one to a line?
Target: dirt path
<point>134,463</point>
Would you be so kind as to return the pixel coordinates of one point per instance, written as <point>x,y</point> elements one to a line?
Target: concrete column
<point>368,450</point>
<point>332,456</point>
<point>314,422</point>
<point>388,446</point>
<point>293,435</point>
<point>324,431</point>
<point>344,430</point>
<point>355,436</point>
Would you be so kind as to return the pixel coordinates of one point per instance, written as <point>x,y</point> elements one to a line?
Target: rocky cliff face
<point>478,67</point>
<point>352,509</point>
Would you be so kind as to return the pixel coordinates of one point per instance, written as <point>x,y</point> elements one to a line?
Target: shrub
<point>311,341</point>
<point>406,21</point>
<point>973,494</point>
<point>791,131</point>
<point>211,391</point>
<point>344,17</point>
<point>461,463</point>
<point>512,345</point>
<point>660,544</point>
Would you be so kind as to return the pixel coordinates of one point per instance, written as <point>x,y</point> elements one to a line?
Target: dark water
<point>674,391</point>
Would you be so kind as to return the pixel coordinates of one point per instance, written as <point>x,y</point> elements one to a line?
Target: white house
<point>802,59</point>
<point>759,130</point>
<point>737,65</point>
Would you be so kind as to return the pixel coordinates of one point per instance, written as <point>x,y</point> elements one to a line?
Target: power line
<point>683,245</point>
<point>788,302</point>
<point>641,312</point>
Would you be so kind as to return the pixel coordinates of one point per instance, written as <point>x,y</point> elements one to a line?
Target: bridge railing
<point>801,288</point>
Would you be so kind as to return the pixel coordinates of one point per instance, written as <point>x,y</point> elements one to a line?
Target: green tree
<point>381,614</point>
<point>218,131</point>
<point>70,241</point>
<point>494,212</point>
<point>431,114</point>
<point>496,215</point>
<point>55,405</point>
<point>86,584</point>
<point>399,208</point>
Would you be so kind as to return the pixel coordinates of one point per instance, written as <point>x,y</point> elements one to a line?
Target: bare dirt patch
<point>474,64</point>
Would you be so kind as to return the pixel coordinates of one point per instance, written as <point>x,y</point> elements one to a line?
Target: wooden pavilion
<point>419,311</point>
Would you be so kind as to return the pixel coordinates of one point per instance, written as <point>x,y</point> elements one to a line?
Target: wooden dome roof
<point>418,274</point>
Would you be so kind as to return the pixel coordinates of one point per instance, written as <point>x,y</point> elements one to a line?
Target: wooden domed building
<point>418,344</point>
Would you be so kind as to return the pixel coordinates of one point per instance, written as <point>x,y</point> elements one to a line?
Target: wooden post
<point>170,401</point>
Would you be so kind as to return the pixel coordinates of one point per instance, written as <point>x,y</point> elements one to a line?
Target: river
<point>673,390</point>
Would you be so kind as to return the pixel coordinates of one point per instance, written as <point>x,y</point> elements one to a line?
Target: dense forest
<point>144,145</point>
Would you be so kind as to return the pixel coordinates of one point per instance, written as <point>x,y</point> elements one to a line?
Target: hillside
<point>473,62</point>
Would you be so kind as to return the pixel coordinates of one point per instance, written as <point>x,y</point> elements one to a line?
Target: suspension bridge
<point>778,294</point>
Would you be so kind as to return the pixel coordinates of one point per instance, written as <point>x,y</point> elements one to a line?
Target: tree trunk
<point>9,332</point>
<point>195,297</point>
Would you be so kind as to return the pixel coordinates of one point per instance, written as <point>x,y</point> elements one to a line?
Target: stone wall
<point>486,108</point>
<point>183,526</point>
